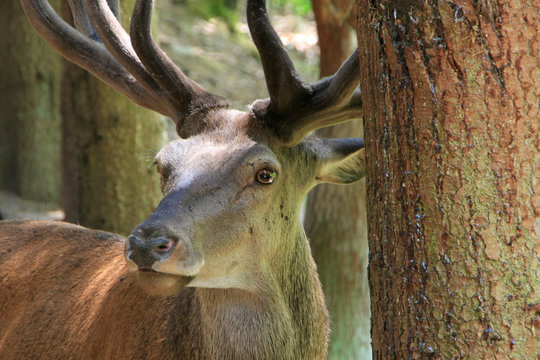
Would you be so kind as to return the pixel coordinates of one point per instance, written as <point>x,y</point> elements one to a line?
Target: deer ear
<point>342,161</point>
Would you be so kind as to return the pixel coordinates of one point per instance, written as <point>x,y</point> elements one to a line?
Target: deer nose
<point>146,253</point>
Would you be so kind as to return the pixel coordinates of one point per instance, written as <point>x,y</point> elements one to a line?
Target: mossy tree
<point>29,109</point>
<point>108,145</point>
<point>336,215</point>
<point>451,105</point>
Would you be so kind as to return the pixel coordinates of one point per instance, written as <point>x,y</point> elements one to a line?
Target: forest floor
<point>226,63</point>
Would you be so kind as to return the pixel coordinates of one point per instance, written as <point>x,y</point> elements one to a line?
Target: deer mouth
<point>159,283</point>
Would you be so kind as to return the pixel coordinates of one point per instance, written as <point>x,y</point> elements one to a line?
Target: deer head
<point>234,181</point>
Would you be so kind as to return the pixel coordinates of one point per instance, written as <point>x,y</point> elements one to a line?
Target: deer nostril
<point>146,253</point>
<point>162,245</point>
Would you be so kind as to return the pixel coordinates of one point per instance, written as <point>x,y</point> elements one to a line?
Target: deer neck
<point>286,318</point>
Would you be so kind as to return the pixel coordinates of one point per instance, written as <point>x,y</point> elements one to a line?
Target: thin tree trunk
<point>335,20</point>
<point>108,145</point>
<point>29,109</point>
<point>335,215</point>
<point>450,94</point>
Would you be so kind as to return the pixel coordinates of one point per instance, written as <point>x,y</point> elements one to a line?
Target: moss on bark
<point>451,114</point>
<point>108,145</point>
<point>29,109</point>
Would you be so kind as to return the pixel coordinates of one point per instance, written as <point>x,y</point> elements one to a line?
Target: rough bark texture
<point>450,94</point>
<point>335,215</point>
<point>29,109</point>
<point>108,145</point>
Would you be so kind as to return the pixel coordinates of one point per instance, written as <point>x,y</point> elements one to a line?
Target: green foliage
<point>228,9</point>
<point>207,9</point>
<point>300,7</point>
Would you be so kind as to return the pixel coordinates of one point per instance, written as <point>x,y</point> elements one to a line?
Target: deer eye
<point>266,176</point>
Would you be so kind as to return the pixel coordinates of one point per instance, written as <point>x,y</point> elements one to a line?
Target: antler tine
<point>337,90</point>
<point>190,97</point>
<point>333,100</point>
<point>86,53</point>
<point>114,5</point>
<point>296,108</point>
<point>117,41</point>
<point>282,80</point>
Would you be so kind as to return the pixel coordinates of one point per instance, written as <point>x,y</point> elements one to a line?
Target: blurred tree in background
<point>29,109</point>
<point>68,139</point>
<point>108,144</point>
<point>336,215</point>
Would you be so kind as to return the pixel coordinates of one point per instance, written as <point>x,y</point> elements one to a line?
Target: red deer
<point>222,269</point>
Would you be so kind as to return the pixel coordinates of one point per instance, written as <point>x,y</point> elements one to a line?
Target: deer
<point>222,269</point>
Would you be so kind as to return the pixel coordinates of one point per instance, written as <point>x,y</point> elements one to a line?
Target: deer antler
<point>191,96</point>
<point>117,42</point>
<point>135,66</point>
<point>296,108</point>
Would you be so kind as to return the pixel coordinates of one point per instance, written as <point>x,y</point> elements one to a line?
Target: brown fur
<point>65,294</point>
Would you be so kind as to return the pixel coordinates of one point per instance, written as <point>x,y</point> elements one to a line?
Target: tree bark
<point>108,145</point>
<point>29,109</point>
<point>335,215</point>
<point>450,94</point>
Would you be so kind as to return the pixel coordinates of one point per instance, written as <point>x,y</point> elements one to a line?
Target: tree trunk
<point>108,145</point>
<point>29,109</point>
<point>335,215</point>
<point>334,19</point>
<point>450,94</point>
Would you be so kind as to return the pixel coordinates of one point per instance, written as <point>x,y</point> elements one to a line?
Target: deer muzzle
<point>159,257</point>
<point>145,253</point>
